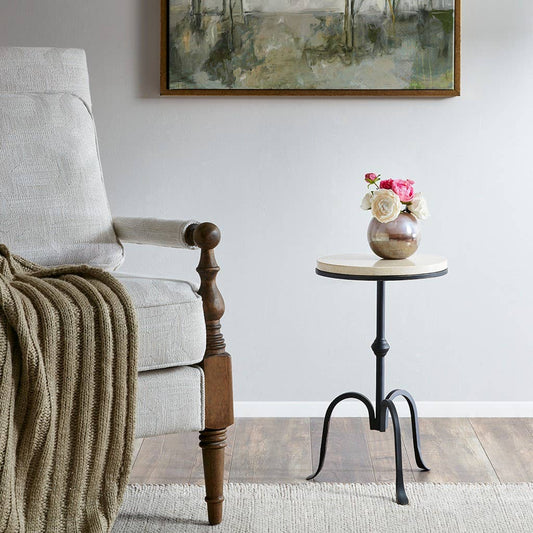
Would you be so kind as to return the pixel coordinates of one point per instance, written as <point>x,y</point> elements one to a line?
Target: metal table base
<point>384,405</point>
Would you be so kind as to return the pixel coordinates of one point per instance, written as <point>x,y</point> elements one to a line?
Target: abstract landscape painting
<point>311,46</point>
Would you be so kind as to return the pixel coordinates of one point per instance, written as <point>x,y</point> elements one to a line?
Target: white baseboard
<point>351,408</point>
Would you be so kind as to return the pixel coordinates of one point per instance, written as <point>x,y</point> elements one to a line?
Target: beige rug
<point>333,508</point>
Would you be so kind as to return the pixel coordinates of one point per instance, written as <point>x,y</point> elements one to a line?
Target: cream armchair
<point>54,210</point>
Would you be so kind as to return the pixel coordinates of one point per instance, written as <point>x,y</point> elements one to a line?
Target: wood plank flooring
<point>285,450</point>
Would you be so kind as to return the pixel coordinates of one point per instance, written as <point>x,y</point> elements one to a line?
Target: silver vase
<point>394,240</point>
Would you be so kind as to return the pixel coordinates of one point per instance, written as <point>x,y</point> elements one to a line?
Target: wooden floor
<point>285,450</point>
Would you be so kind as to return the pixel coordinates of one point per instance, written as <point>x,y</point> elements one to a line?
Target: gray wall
<point>282,178</point>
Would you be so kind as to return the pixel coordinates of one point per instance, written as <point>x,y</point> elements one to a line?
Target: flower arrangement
<point>388,198</point>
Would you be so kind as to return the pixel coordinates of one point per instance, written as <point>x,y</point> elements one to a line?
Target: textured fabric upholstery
<point>54,210</point>
<point>169,401</point>
<point>155,231</point>
<point>171,321</point>
<point>44,70</point>
<point>53,205</point>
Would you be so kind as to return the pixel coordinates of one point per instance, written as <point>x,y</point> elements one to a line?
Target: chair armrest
<point>155,231</point>
<point>217,362</point>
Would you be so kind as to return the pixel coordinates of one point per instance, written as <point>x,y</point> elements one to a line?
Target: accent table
<point>369,268</point>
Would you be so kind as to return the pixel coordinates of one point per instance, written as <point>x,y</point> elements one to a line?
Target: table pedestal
<point>384,404</point>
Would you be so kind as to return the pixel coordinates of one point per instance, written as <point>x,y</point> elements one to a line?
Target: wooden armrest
<point>217,362</point>
<point>205,235</point>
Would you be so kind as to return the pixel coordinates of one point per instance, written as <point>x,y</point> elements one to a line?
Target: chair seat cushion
<point>171,321</point>
<point>169,401</point>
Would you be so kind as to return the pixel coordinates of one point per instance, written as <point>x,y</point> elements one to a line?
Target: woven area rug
<point>334,508</point>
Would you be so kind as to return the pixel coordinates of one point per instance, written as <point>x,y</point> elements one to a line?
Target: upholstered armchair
<point>54,210</point>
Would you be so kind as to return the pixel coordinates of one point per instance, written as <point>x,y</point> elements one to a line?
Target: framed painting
<point>310,47</point>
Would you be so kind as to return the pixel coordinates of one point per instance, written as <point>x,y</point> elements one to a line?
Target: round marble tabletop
<point>372,268</point>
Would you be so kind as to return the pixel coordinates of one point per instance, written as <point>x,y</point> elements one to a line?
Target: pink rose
<point>404,189</point>
<point>386,184</point>
<point>371,178</point>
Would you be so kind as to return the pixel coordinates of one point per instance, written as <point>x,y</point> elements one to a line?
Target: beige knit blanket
<point>68,343</point>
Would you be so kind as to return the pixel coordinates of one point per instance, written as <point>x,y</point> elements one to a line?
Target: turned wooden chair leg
<point>213,443</point>
<point>217,370</point>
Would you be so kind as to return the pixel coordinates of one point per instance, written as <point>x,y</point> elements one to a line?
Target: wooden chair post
<point>217,370</point>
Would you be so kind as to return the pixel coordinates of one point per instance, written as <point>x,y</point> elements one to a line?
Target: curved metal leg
<point>414,424</point>
<point>401,496</point>
<point>325,428</point>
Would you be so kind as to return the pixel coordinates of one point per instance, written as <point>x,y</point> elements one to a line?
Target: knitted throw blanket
<point>68,341</point>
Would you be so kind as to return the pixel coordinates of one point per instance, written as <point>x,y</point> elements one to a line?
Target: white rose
<point>366,204</point>
<point>386,205</point>
<point>419,207</point>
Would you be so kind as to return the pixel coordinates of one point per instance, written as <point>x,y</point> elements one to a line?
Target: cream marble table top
<point>371,267</point>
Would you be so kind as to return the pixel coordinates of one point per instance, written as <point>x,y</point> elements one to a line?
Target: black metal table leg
<point>414,424</point>
<point>401,496</point>
<point>378,417</point>
<point>327,418</point>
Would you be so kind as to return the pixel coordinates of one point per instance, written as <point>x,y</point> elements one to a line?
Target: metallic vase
<point>394,240</point>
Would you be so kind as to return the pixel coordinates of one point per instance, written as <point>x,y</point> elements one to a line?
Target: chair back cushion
<point>53,205</point>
